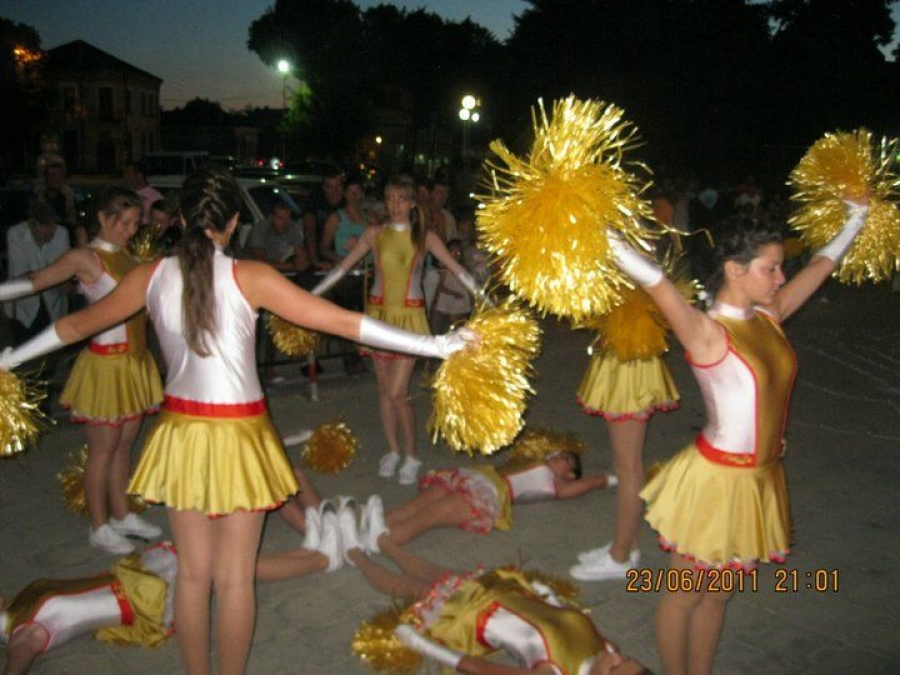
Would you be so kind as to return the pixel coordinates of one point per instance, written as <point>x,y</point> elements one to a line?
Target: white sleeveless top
<point>225,383</point>
<point>532,485</point>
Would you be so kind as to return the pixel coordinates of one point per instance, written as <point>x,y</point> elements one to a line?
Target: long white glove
<point>43,343</point>
<point>645,271</point>
<point>329,280</point>
<point>468,281</point>
<point>413,640</point>
<point>380,335</point>
<point>837,248</point>
<point>15,289</point>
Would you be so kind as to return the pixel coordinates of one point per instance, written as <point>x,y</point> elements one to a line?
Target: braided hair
<point>208,200</point>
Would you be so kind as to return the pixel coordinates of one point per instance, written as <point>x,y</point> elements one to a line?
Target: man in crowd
<point>318,207</point>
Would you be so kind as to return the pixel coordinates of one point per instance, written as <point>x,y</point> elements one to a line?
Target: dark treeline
<point>714,85</point>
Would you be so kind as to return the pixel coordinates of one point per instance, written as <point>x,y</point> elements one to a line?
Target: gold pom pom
<point>547,214</point>
<point>71,478</point>
<point>145,244</point>
<point>290,339</point>
<point>537,444</point>
<point>637,329</point>
<point>21,418</point>
<point>331,448</point>
<point>479,393</point>
<point>845,165</point>
<point>376,643</point>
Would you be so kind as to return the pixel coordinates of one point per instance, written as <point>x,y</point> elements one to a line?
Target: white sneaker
<point>134,525</point>
<point>409,472</point>
<point>313,533</point>
<point>109,540</point>
<point>604,569</point>
<point>388,464</point>
<point>330,543</point>
<point>349,531</point>
<point>596,554</point>
<point>374,525</point>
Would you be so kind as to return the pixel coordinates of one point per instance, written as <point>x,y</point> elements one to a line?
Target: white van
<point>156,164</point>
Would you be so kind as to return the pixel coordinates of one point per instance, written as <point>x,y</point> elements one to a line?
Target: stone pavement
<point>842,467</point>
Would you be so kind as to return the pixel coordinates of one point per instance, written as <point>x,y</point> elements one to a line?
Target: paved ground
<point>842,465</point>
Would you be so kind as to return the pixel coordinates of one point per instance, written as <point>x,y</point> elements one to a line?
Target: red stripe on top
<point>198,409</point>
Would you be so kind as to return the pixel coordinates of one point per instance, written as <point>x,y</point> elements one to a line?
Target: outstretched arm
<point>365,244</point>
<point>567,489</point>
<point>438,249</point>
<point>697,333</point>
<point>798,290</point>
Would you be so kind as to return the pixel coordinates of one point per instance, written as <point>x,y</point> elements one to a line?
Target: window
<point>105,104</point>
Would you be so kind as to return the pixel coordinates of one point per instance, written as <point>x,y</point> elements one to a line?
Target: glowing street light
<point>469,114</point>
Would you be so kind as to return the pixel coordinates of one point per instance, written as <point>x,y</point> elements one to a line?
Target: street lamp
<point>284,67</point>
<point>469,114</point>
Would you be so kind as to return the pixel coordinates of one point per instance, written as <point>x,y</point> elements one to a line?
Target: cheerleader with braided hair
<point>214,458</point>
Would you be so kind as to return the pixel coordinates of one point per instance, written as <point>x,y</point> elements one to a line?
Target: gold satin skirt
<point>615,389</point>
<point>412,319</point>
<point>112,389</point>
<point>720,515</point>
<point>213,464</point>
<point>146,593</point>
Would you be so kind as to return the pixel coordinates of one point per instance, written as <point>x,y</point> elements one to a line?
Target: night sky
<point>199,47</point>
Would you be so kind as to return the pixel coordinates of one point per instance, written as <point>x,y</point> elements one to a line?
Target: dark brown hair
<point>208,201</point>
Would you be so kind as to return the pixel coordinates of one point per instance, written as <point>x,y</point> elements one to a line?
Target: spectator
<point>452,302</point>
<point>442,220</point>
<point>135,176</point>
<point>279,241</point>
<point>57,192</point>
<point>31,246</point>
<point>318,207</point>
<point>168,227</point>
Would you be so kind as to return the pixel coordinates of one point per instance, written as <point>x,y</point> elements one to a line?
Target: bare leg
<point>235,544</point>
<point>388,413</point>
<point>102,441</point>
<point>627,440</point>
<point>421,501</point>
<point>120,469</point>
<point>293,511</point>
<point>289,565</point>
<point>193,535</point>
<point>415,566</point>
<point>451,510</point>
<point>24,647</point>
<point>687,635</point>
<point>384,580</point>
<point>307,495</point>
<point>401,371</point>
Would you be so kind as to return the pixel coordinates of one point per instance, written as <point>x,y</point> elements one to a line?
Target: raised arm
<point>696,332</point>
<point>798,290</point>
<point>567,489</point>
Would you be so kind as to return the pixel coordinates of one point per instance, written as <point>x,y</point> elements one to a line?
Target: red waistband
<point>109,350</point>
<point>198,409</point>
<point>124,604</point>
<point>721,457</point>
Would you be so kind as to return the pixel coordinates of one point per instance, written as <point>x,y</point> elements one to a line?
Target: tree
<point>24,110</point>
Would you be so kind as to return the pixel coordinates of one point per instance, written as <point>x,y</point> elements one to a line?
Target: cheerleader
<point>722,501</point>
<point>114,381</point>
<point>396,297</point>
<point>214,458</point>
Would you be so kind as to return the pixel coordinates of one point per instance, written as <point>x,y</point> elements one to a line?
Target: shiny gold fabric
<point>214,465</point>
<point>633,389</point>
<point>118,264</point>
<point>29,600</point>
<point>720,515</point>
<point>396,257</point>
<point>146,593</point>
<point>727,515</point>
<point>504,520</point>
<point>111,389</point>
<point>569,635</point>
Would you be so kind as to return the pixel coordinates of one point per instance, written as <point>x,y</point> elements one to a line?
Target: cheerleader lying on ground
<point>542,466</point>
<point>457,619</point>
<point>132,604</point>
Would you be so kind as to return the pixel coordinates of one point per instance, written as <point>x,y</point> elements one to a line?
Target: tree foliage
<point>712,84</point>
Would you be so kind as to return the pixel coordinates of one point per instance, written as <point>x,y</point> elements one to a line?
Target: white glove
<point>15,289</point>
<point>645,271</point>
<point>837,248</point>
<point>413,640</point>
<point>380,335</point>
<point>43,343</point>
<point>330,279</point>
<point>477,292</point>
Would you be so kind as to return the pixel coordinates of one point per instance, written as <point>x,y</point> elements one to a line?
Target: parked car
<point>257,199</point>
<point>173,163</point>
